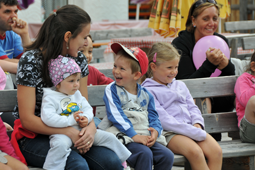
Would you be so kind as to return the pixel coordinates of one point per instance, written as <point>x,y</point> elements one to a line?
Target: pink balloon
<point>199,51</point>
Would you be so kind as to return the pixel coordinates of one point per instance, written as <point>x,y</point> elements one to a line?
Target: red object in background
<point>23,4</point>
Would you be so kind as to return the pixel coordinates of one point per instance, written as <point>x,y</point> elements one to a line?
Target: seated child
<point>179,115</point>
<point>95,77</point>
<point>2,86</point>
<point>8,158</point>
<point>63,106</point>
<point>245,103</point>
<point>131,110</point>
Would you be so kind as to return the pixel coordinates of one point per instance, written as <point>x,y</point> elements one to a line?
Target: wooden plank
<point>237,7</point>
<point>239,25</point>
<point>8,100</point>
<point>252,163</point>
<point>95,94</point>
<point>199,88</point>
<point>220,122</point>
<point>108,34</point>
<point>211,87</point>
<point>179,158</point>
<point>120,33</point>
<point>107,73</point>
<point>243,9</point>
<point>98,44</point>
<point>248,43</point>
<point>141,32</point>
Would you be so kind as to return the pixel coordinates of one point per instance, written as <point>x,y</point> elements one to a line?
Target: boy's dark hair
<point>51,35</point>
<point>8,2</point>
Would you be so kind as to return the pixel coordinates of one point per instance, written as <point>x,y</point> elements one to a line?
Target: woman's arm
<point>9,66</point>
<point>83,87</point>
<point>86,134</point>
<point>26,101</point>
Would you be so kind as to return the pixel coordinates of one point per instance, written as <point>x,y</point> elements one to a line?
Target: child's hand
<point>7,126</point>
<point>83,121</point>
<point>153,137</point>
<point>197,125</point>
<point>141,139</point>
<point>77,116</point>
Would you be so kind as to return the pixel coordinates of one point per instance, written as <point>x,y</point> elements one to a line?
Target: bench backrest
<point>107,73</point>
<point>199,88</point>
<point>120,33</point>
<point>234,26</point>
<point>248,43</point>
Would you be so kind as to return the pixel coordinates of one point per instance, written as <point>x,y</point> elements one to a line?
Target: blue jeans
<point>143,157</point>
<point>97,158</point>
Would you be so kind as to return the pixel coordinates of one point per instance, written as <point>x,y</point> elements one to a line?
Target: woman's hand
<point>215,56</point>
<point>224,62</point>
<point>86,139</point>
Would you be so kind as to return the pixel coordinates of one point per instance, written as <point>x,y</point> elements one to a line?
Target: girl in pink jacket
<point>245,103</point>
<point>8,157</point>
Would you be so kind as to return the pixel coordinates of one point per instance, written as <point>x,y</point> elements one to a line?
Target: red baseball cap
<point>136,53</point>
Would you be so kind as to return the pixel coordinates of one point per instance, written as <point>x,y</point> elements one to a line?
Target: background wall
<point>101,10</point>
<point>33,14</point>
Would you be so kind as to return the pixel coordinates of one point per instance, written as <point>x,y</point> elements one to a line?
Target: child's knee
<point>168,156</point>
<point>217,152</point>
<point>61,143</point>
<point>111,136</point>
<point>5,167</point>
<point>195,152</point>
<point>146,154</point>
<point>251,102</point>
<point>23,167</point>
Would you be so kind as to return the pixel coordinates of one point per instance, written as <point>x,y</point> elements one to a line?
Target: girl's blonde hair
<point>165,52</point>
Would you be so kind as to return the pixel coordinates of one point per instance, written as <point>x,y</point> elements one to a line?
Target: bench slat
<point>220,122</point>
<point>8,100</point>
<point>239,25</point>
<point>211,87</point>
<point>248,43</point>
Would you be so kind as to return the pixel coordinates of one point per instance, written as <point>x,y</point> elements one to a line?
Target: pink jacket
<point>244,89</point>
<point>5,144</point>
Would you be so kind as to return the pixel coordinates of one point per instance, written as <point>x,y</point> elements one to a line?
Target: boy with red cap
<point>131,110</point>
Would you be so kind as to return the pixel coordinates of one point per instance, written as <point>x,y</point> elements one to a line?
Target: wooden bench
<point>236,42</point>
<point>103,37</point>
<point>214,123</point>
<point>235,26</point>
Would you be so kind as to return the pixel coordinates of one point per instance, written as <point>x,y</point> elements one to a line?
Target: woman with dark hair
<point>202,21</point>
<point>62,33</point>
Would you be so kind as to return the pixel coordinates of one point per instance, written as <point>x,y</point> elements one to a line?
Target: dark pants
<point>143,157</point>
<point>222,104</point>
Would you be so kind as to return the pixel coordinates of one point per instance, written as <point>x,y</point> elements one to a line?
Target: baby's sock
<point>124,164</point>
